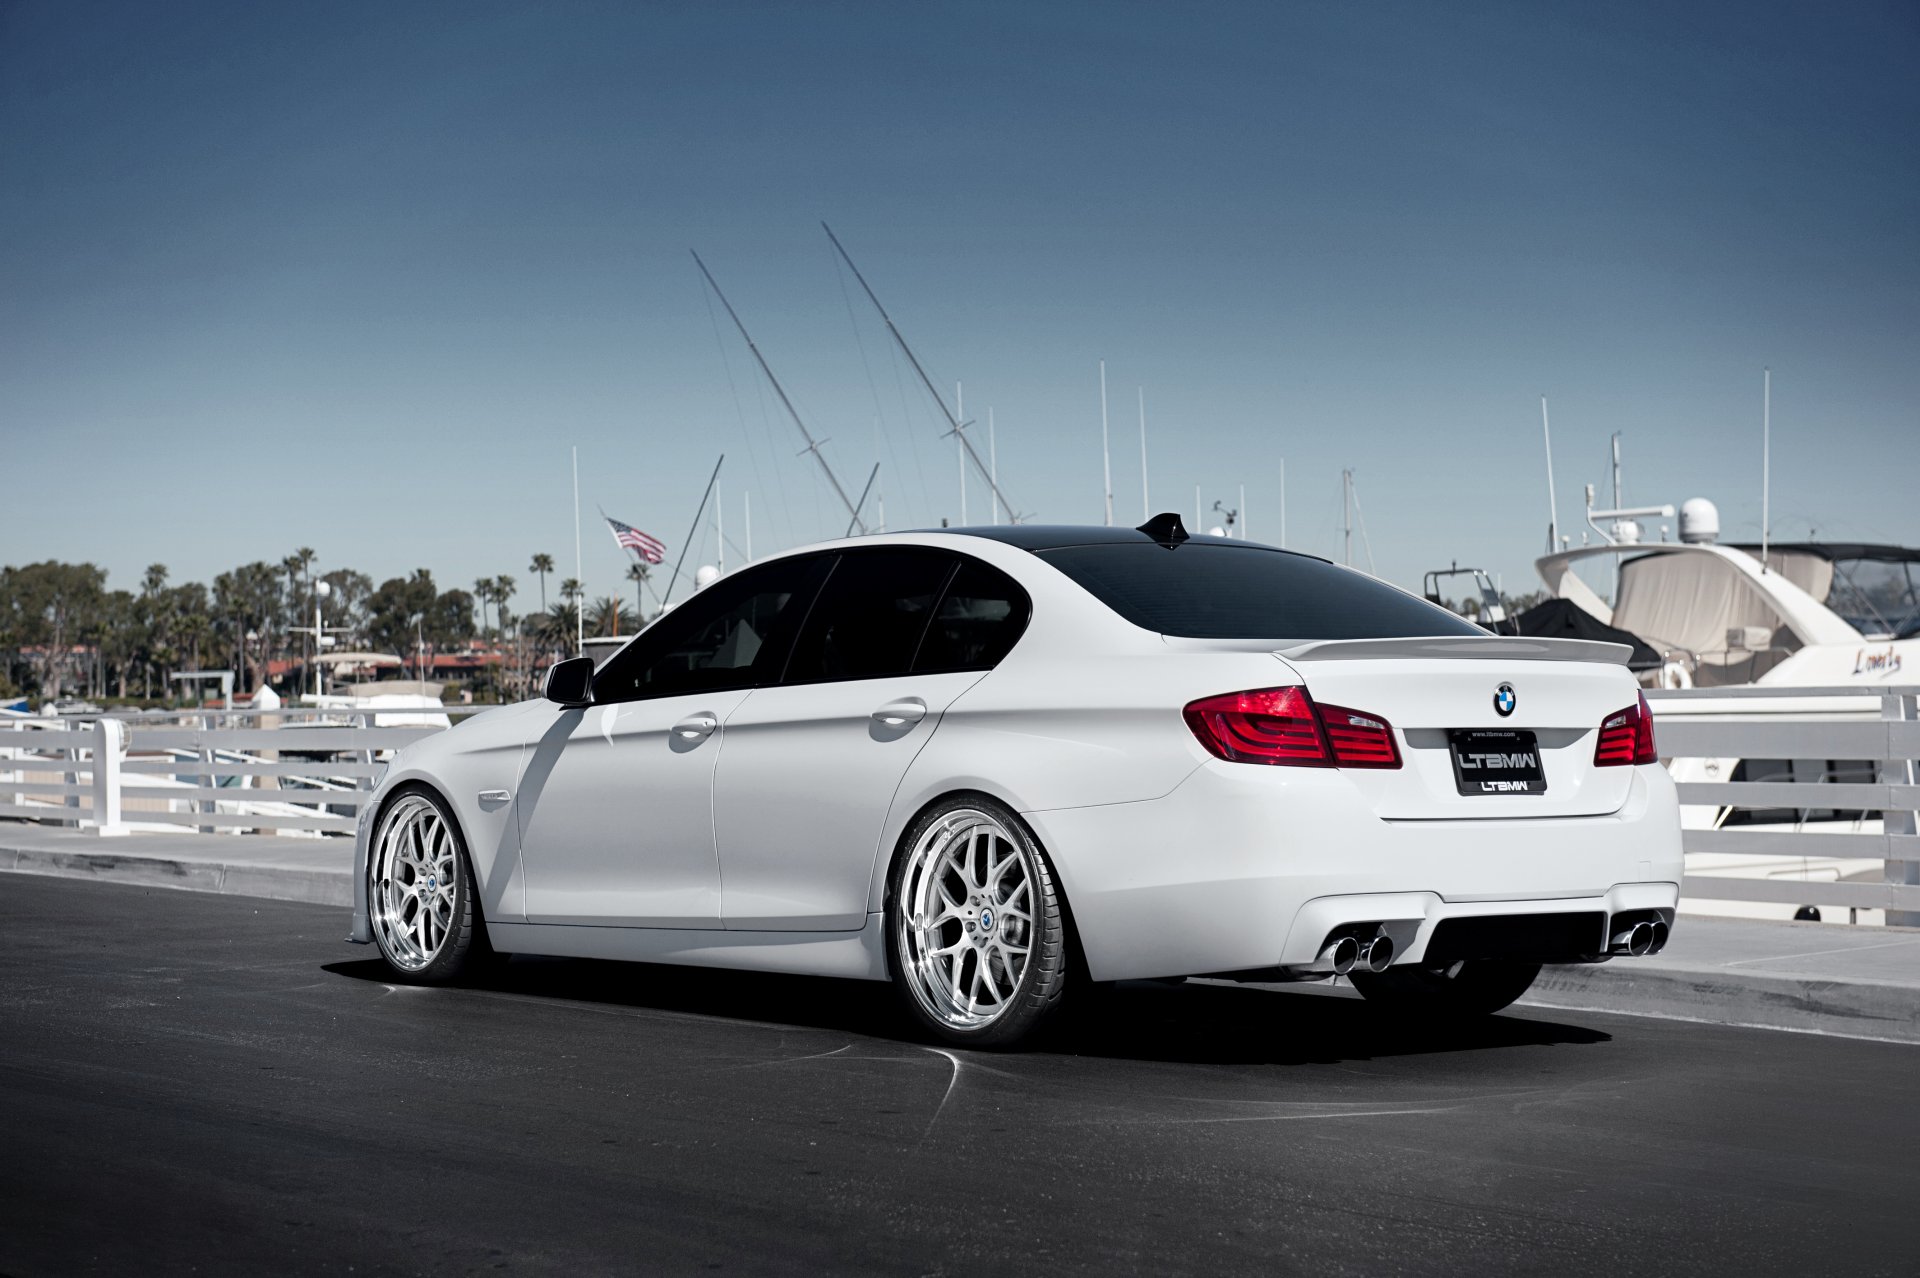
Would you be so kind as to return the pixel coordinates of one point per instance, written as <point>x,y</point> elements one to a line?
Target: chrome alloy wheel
<point>411,882</point>
<point>965,926</point>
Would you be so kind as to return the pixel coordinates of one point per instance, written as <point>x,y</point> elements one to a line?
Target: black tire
<point>1479,987</point>
<point>1042,984</point>
<point>458,945</point>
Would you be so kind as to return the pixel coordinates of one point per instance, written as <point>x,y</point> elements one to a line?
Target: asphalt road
<point>210,1084</point>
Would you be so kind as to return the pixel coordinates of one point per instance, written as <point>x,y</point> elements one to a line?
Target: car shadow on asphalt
<point>1195,1022</point>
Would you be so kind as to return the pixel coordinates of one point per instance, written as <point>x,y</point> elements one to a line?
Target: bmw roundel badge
<point>1504,701</point>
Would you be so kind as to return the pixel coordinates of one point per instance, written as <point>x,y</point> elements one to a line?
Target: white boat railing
<point>1877,725</point>
<point>285,770</point>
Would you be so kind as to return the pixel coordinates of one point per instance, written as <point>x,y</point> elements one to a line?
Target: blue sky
<point>356,277</point>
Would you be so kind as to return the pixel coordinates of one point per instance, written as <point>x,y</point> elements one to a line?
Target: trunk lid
<point>1430,688</point>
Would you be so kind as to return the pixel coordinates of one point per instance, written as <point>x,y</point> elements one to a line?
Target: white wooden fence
<point>207,770</point>
<point>48,773</point>
<point>1874,724</point>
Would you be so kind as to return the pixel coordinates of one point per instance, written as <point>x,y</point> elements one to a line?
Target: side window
<point>871,614</point>
<point>733,634</point>
<point>981,617</point>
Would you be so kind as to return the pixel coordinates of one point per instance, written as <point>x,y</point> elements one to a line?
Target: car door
<point>811,764</point>
<point>616,801</point>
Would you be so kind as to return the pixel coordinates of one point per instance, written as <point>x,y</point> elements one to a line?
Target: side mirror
<point>570,682</point>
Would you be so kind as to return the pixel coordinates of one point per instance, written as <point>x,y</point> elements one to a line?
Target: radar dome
<point>1699,521</point>
<point>707,574</point>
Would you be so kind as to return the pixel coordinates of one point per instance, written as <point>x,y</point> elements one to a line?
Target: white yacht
<point>1811,615</point>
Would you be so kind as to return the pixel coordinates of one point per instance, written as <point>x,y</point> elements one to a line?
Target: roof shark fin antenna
<point>1165,529</point>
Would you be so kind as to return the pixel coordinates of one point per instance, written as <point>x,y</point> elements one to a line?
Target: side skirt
<point>857,956</point>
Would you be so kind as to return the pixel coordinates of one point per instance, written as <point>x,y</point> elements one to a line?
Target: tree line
<point>64,632</point>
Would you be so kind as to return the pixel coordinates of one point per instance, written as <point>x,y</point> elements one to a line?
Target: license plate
<point>1492,762</point>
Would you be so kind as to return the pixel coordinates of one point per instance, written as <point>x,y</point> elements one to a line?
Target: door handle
<point>695,726</point>
<point>898,714</point>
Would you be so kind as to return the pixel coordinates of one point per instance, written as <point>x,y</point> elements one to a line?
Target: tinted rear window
<point>1209,591</point>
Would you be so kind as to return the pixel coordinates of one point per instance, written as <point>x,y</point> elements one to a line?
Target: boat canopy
<point>1874,588</point>
<point>1708,606</point>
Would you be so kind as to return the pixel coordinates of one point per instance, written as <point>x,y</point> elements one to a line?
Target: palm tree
<point>298,565</point>
<point>502,591</point>
<point>608,616</point>
<point>542,564</point>
<point>483,591</point>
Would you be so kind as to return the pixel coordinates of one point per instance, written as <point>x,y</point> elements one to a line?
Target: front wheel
<point>420,893</point>
<point>1476,987</point>
<point>976,945</point>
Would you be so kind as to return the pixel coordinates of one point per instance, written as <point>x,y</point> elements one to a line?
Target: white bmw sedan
<point>992,765</point>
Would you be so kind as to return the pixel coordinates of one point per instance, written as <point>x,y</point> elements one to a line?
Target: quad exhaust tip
<point>1341,955</point>
<point>1348,953</point>
<point>1376,954</point>
<point>1636,940</point>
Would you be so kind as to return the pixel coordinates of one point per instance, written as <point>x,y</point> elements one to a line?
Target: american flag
<point>648,548</point>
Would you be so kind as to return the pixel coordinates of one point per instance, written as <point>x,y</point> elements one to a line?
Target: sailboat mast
<point>960,447</point>
<point>1146,506</point>
<point>693,529</point>
<point>1553,509</point>
<point>1106,460</point>
<point>1346,512</point>
<point>579,568</point>
<point>993,469</point>
<point>1766,460</point>
<point>973,456</point>
<point>872,475</point>
<point>813,445</point>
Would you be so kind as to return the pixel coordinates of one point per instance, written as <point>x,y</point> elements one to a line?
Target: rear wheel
<point>420,893</point>
<point>976,945</point>
<point>1472,987</point>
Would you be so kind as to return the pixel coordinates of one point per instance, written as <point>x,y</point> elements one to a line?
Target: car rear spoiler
<point>1461,648</point>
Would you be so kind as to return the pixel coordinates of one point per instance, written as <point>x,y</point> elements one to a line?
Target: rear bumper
<point>1244,867</point>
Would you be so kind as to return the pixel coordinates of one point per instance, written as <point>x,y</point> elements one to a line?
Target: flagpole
<point>579,565</point>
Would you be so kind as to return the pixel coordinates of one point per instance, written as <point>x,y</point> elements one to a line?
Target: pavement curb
<point>1850,1008</point>
<point>273,883</point>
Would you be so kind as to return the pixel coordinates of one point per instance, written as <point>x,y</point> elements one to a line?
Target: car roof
<point>1039,537</point>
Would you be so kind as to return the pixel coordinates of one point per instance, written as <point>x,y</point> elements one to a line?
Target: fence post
<point>108,736</point>
<point>208,781</point>
<point>1898,708</point>
<point>70,777</point>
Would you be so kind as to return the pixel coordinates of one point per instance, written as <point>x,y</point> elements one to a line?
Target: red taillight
<point>1271,725</point>
<point>1626,737</point>
<point>1359,739</point>
<point>1284,726</point>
